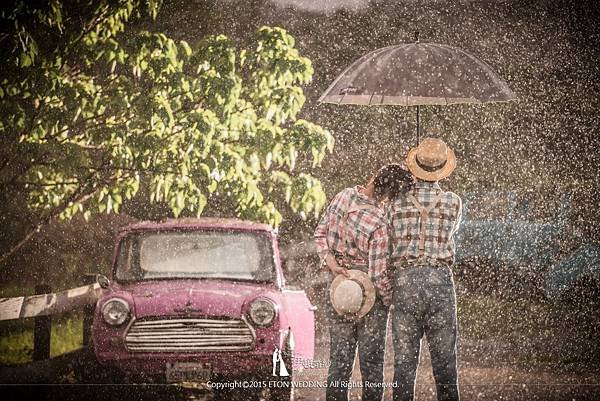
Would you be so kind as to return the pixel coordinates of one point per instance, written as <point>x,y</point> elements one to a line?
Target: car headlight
<point>262,311</point>
<point>115,312</point>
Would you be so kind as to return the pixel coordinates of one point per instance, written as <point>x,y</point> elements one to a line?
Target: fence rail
<point>48,303</point>
<point>42,306</point>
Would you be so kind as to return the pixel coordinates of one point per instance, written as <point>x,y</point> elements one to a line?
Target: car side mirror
<point>103,281</point>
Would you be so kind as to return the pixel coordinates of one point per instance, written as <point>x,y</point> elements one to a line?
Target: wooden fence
<point>45,304</point>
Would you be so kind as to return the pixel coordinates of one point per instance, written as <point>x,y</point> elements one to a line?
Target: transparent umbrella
<point>417,74</point>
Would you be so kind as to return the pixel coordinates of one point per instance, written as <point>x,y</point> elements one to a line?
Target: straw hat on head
<point>432,160</point>
<point>352,297</point>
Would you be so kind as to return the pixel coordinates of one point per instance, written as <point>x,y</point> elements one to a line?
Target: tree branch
<point>83,193</point>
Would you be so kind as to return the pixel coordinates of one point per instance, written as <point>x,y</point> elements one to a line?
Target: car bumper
<point>221,364</point>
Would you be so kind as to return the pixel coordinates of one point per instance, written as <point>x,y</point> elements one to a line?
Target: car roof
<point>199,223</point>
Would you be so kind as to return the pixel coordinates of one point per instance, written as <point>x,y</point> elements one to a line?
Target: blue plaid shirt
<point>405,225</point>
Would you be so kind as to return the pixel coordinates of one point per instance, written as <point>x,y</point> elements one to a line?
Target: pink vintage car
<point>202,300</point>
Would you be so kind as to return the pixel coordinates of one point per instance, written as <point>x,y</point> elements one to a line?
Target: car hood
<point>196,298</point>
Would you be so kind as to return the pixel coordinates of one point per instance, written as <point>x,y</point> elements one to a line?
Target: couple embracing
<point>391,243</point>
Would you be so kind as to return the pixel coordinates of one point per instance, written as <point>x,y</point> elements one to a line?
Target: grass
<point>529,333</point>
<point>15,290</point>
<point>484,317</point>
<point>16,338</point>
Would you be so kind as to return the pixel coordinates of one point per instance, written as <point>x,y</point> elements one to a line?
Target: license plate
<point>188,372</point>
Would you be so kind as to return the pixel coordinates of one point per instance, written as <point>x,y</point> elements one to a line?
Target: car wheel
<point>87,370</point>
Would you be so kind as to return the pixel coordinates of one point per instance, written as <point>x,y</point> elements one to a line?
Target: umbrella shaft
<point>418,124</point>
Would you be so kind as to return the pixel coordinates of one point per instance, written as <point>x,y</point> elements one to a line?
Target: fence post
<point>42,329</point>
<point>88,312</point>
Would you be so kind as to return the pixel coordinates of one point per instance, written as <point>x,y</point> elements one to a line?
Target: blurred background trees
<point>545,143</point>
<point>93,111</point>
<point>163,77</point>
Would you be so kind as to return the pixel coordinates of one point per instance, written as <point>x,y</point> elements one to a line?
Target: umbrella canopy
<point>417,74</point>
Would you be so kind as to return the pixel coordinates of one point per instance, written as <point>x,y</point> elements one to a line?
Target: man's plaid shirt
<point>405,225</point>
<point>355,228</point>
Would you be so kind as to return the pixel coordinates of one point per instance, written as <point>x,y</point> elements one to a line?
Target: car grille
<point>189,335</point>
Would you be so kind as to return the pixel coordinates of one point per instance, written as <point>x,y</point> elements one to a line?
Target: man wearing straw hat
<point>423,223</point>
<point>352,241</point>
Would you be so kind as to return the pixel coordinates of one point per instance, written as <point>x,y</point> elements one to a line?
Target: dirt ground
<point>476,382</point>
<point>526,359</point>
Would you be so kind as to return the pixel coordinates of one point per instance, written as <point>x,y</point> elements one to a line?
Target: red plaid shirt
<point>354,227</point>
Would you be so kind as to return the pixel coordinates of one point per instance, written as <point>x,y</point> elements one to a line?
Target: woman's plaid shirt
<point>405,226</point>
<point>355,228</point>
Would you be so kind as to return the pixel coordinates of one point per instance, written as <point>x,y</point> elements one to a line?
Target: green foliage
<point>92,113</point>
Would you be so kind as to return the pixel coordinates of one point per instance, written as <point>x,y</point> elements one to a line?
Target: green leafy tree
<point>90,112</point>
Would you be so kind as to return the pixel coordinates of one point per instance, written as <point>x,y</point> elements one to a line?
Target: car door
<point>300,313</point>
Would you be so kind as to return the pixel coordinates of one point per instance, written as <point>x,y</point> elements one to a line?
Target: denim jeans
<point>346,336</point>
<point>424,304</point>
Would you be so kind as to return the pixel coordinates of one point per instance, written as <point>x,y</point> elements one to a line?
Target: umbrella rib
<point>431,54</point>
<point>466,71</point>
<point>444,86</point>
<point>341,76</point>
<point>361,65</point>
<point>491,74</point>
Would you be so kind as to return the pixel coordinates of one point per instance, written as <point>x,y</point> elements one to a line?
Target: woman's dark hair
<point>391,180</point>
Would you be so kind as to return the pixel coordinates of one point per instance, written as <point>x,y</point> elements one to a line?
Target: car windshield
<point>195,254</point>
